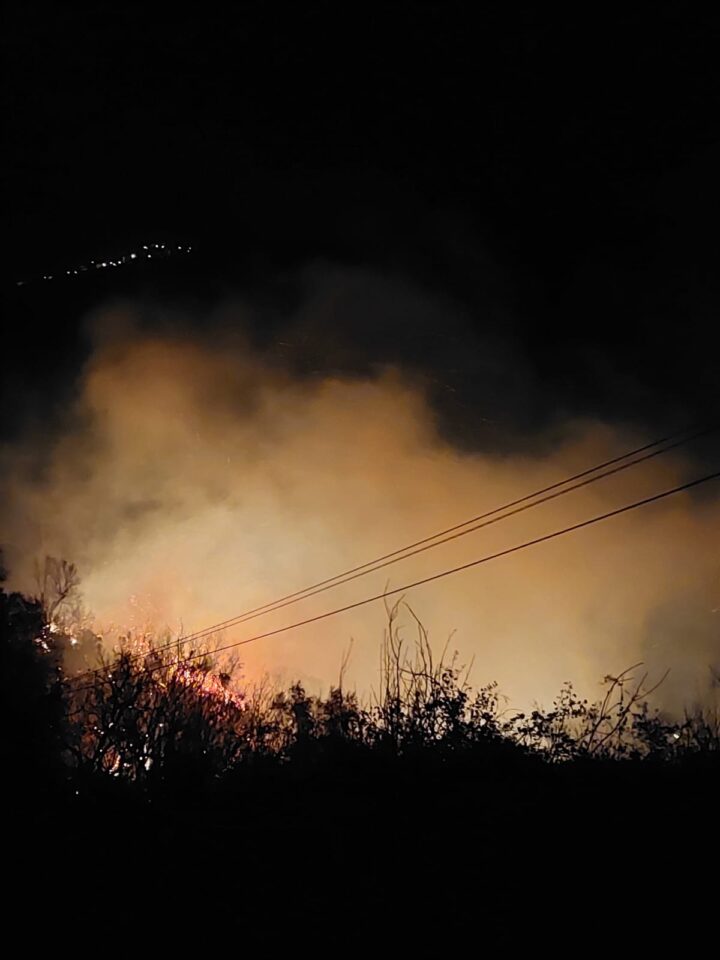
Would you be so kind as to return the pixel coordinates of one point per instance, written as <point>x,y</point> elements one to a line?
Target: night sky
<point>554,177</point>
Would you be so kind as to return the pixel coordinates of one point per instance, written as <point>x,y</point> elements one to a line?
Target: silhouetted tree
<point>33,723</point>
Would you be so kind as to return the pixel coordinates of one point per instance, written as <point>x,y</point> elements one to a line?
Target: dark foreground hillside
<point>407,850</point>
<point>428,825</point>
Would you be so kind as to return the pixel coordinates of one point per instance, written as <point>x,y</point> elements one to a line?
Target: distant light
<point>162,248</point>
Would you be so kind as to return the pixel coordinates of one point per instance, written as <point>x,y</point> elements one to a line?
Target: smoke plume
<point>202,471</point>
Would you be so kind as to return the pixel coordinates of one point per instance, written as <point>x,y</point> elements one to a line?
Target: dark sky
<point>555,176</point>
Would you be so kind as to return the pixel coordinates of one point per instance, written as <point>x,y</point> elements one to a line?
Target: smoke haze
<point>199,473</point>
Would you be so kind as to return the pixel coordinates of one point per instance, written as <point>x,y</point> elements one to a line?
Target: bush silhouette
<point>163,716</point>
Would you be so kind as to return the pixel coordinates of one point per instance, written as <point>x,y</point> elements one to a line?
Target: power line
<point>495,516</point>
<point>446,573</point>
<point>473,563</point>
<point>451,533</point>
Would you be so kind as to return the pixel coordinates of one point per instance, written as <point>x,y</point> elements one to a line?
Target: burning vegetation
<point>156,710</point>
<point>157,762</point>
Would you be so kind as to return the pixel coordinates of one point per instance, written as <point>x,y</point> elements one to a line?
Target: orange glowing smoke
<point>204,480</point>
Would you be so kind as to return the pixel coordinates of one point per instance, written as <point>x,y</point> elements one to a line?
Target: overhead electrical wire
<point>472,563</point>
<point>449,572</point>
<point>485,520</point>
<point>578,480</point>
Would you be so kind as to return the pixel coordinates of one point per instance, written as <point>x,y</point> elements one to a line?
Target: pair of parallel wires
<point>531,500</point>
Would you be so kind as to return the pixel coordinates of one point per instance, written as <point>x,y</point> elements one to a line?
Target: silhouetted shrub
<point>158,714</point>
<point>34,713</point>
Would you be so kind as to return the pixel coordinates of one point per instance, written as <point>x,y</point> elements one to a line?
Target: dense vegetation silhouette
<point>430,788</point>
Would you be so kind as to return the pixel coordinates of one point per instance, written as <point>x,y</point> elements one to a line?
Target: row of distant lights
<point>146,253</point>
